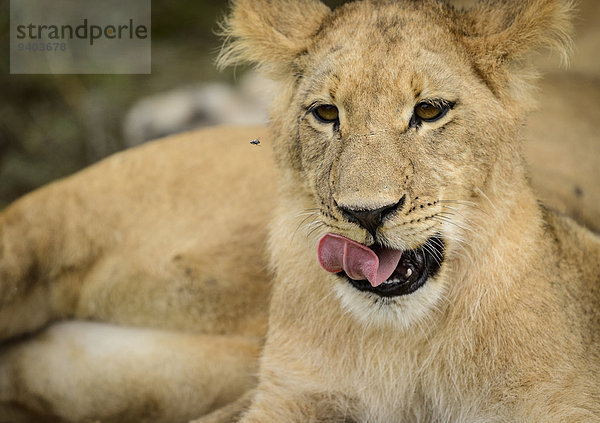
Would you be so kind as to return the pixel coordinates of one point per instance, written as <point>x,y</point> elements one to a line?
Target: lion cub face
<point>390,119</point>
<point>395,131</point>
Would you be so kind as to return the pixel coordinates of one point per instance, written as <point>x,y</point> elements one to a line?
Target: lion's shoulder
<point>577,281</point>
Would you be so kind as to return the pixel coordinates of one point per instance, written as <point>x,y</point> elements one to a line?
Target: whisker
<point>454,209</point>
<point>438,255</point>
<point>460,243</point>
<point>425,259</point>
<point>434,254</point>
<point>452,222</point>
<point>308,215</point>
<point>306,218</point>
<point>480,192</point>
<point>466,203</point>
<point>460,202</point>
<point>319,225</point>
<point>315,223</point>
<point>448,221</point>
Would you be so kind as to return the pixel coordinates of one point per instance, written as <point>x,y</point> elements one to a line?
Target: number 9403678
<point>42,46</point>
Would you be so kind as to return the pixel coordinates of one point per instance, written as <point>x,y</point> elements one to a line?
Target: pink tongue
<point>337,253</point>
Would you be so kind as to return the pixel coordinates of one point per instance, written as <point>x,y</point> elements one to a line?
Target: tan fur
<point>563,147</point>
<point>507,330</point>
<point>69,237</point>
<point>171,236</point>
<point>136,241</point>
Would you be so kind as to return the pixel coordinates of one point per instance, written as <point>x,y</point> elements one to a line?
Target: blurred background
<point>54,125</point>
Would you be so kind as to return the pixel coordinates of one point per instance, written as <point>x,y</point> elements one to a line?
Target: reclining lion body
<point>172,237</point>
<point>139,240</point>
<point>109,247</point>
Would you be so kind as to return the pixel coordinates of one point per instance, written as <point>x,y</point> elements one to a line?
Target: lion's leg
<point>45,251</point>
<point>25,283</point>
<point>274,403</point>
<point>83,371</point>
<point>231,412</point>
<point>280,408</point>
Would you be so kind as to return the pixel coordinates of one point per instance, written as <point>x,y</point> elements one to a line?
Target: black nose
<point>371,219</point>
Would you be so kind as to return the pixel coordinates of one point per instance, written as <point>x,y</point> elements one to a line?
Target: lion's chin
<point>414,269</point>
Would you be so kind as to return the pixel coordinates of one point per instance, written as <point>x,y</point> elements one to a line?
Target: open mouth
<point>384,272</point>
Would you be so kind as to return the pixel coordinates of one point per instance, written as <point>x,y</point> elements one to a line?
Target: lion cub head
<point>393,118</point>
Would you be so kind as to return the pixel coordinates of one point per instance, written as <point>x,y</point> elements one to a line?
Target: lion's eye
<point>326,113</point>
<point>428,112</point>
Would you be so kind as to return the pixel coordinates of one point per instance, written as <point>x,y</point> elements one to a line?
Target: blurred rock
<point>195,106</point>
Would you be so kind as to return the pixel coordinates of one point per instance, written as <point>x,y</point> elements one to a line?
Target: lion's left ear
<point>500,35</point>
<point>270,33</point>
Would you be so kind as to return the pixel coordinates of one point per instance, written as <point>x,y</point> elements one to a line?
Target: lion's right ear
<point>270,33</point>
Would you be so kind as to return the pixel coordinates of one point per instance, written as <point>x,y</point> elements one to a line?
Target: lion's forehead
<point>385,84</point>
<point>394,28</point>
<point>362,68</point>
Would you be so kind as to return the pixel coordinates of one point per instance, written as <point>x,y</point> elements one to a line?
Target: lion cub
<point>414,275</point>
<point>428,285</point>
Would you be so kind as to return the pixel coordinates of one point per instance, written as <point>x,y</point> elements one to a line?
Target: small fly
<point>255,142</point>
